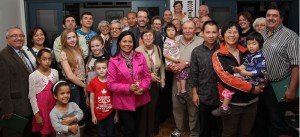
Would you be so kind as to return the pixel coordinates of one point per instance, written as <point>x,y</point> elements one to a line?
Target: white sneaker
<point>175,134</point>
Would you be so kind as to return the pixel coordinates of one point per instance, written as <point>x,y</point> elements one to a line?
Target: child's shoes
<point>220,111</point>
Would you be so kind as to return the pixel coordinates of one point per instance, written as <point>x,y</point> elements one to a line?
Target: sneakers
<point>175,134</point>
<point>183,97</point>
<point>221,112</point>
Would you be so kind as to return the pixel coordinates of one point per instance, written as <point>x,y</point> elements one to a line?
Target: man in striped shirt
<point>281,50</point>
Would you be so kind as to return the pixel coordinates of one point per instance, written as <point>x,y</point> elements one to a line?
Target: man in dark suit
<point>142,21</point>
<point>14,72</point>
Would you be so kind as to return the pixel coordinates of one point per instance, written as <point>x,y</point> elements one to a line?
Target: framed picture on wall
<point>113,14</point>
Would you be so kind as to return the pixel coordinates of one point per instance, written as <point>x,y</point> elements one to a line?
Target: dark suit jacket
<point>157,41</point>
<point>14,87</point>
<point>107,47</point>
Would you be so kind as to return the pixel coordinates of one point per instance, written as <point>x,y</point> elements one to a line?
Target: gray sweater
<point>56,119</point>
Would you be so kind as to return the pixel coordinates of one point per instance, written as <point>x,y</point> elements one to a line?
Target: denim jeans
<point>77,96</point>
<point>106,126</point>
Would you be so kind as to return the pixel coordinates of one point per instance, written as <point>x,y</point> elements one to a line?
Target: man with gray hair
<point>115,31</point>
<point>187,43</point>
<point>15,69</point>
<point>203,11</point>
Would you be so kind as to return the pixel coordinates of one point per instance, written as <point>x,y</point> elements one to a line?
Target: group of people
<point>125,73</point>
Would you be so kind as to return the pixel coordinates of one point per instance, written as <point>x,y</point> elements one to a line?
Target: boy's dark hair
<point>256,36</point>
<point>275,6</point>
<point>228,26</point>
<point>40,53</point>
<point>57,85</point>
<point>101,60</point>
<point>210,22</point>
<point>68,16</point>
<point>85,13</point>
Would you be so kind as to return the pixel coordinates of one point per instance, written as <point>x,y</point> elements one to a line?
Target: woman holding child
<point>243,104</point>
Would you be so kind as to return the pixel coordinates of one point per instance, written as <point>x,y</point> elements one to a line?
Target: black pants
<point>270,115</point>
<point>210,125</point>
<point>129,121</point>
<point>165,98</point>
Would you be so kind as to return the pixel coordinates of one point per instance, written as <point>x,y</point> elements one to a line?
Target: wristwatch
<point>186,64</point>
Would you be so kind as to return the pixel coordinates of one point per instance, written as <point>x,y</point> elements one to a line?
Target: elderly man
<point>203,11</point>
<point>281,50</point>
<point>115,31</point>
<point>186,45</point>
<point>142,21</point>
<point>15,69</point>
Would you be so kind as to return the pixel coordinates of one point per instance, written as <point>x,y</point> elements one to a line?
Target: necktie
<point>22,56</point>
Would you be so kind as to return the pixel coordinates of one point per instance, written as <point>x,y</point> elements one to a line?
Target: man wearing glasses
<point>115,31</point>
<point>142,21</point>
<point>15,69</point>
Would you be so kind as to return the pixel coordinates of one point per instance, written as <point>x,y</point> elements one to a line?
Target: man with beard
<point>142,21</point>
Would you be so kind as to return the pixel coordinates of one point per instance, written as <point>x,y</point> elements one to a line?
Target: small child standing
<point>40,95</point>
<point>65,115</point>
<point>171,53</point>
<point>253,70</point>
<point>100,101</point>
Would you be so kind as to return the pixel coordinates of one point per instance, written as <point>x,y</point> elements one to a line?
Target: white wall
<point>12,13</point>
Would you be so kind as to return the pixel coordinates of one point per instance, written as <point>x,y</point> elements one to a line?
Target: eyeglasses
<point>17,35</point>
<point>257,25</point>
<point>115,28</point>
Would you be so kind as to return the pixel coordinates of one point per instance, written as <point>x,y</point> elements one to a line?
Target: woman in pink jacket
<point>129,80</point>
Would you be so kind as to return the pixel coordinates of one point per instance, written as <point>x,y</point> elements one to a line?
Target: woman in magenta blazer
<point>129,79</point>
